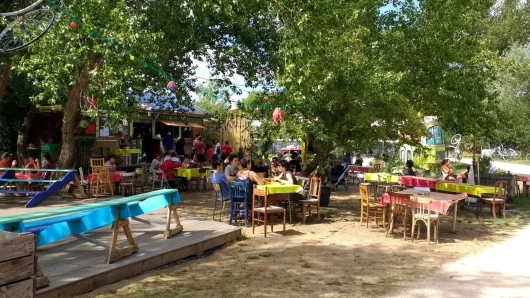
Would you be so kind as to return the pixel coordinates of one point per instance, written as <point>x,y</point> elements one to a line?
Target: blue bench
<point>38,197</point>
<point>58,224</point>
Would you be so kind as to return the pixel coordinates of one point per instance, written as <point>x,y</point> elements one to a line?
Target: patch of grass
<point>252,257</point>
<point>241,237</point>
<point>306,265</point>
<point>265,254</point>
<point>334,283</point>
<point>522,204</point>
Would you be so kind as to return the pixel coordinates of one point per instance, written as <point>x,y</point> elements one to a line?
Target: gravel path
<point>500,271</point>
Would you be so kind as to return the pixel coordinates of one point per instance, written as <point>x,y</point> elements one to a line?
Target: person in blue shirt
<point>218,177</point>
<point>169,142</point>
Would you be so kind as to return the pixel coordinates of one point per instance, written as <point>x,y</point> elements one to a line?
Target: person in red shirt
<point>209,153</point>
<point>168,165</point>
<point>200,146</point>
<point>7,161</point>
<point>227,149</point>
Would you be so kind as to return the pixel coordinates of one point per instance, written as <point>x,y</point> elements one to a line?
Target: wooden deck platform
<point>75,266</point>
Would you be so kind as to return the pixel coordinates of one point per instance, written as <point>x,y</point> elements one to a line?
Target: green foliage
<point>485,164</point>
<point>85,142</point>
<point>513,90</point>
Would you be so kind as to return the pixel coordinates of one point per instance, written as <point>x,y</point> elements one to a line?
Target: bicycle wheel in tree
<point>528,156</point>
<point>16,7</point>
<point>26,30</point>
<point>456,139</point>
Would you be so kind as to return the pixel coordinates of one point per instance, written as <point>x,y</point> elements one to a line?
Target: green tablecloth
<point>472,190</point>
<point>277,188</point>
<point>383,177</point>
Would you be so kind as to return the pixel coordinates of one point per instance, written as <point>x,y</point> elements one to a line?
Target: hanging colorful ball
<point>131,57</point>
<point>171,86</point>
<point>277,115</point>
<point>73,24</point>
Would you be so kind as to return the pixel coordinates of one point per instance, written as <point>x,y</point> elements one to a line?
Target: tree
<point>513,89</point>
<point>69,63</point>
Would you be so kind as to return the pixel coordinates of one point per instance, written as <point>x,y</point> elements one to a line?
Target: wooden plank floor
<point>75,266</point>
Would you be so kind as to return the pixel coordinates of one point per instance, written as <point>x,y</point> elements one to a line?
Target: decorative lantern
<point>277,115</point>
<point>172,86</point>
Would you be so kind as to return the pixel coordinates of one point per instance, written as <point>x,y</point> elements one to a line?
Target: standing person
<point>196,140</point>
<point>209,153</point>
<point>217,150</point>
<point>200,147</point>
<point>179,146</point>
<point>227,149</point>
<point>168,141</point>
<point>159,137</point>
<point>241,153</point>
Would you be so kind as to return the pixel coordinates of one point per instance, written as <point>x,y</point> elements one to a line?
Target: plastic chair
<point>238,197</point>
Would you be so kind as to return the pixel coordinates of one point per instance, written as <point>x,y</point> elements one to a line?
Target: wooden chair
<point>498,199</point>
<point>313,199</point>
<point>97,162</point>
<point>101,181</point>
<point>399,206</point>
<point>139,181</point>
<point>266,210</point>
<point>219,198</point>
<point>421,212</point>
<point>367,207</point>
<point>198,180</point>
<point>127,183</point>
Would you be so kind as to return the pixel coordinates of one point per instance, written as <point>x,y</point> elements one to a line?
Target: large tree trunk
<point>71,113</point>
<point>22,139</point>
<point>4,78</point>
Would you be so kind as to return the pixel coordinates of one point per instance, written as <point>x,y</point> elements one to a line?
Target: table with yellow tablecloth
<point>276,188</point>
<point>383,177</point>
<point>471,190</point>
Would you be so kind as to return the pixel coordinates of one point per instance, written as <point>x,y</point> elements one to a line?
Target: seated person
<point>358,161</point>
<point>245,174</point>
<point>48,164</point>
<point>233,167</point>
<point>285,176</point>
<point>174,157</point>
<point>274,169</point>
<point>33,163</point>
<point>410,169</point>
<point>155,164</point>
<point>464,175</point>
<point>166,166</point>
<point>218,177</point>
<point>296,161</point>
<point>110,164</point>
<point>7,161</point>
<point>259,167</point>
<point>447,170</point>
<point>188,162</point>
<point>167,156</point>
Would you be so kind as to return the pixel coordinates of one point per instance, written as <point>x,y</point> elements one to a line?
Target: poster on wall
<point>435,136</point>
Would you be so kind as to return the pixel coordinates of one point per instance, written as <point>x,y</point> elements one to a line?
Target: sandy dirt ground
<point>335,258</point>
